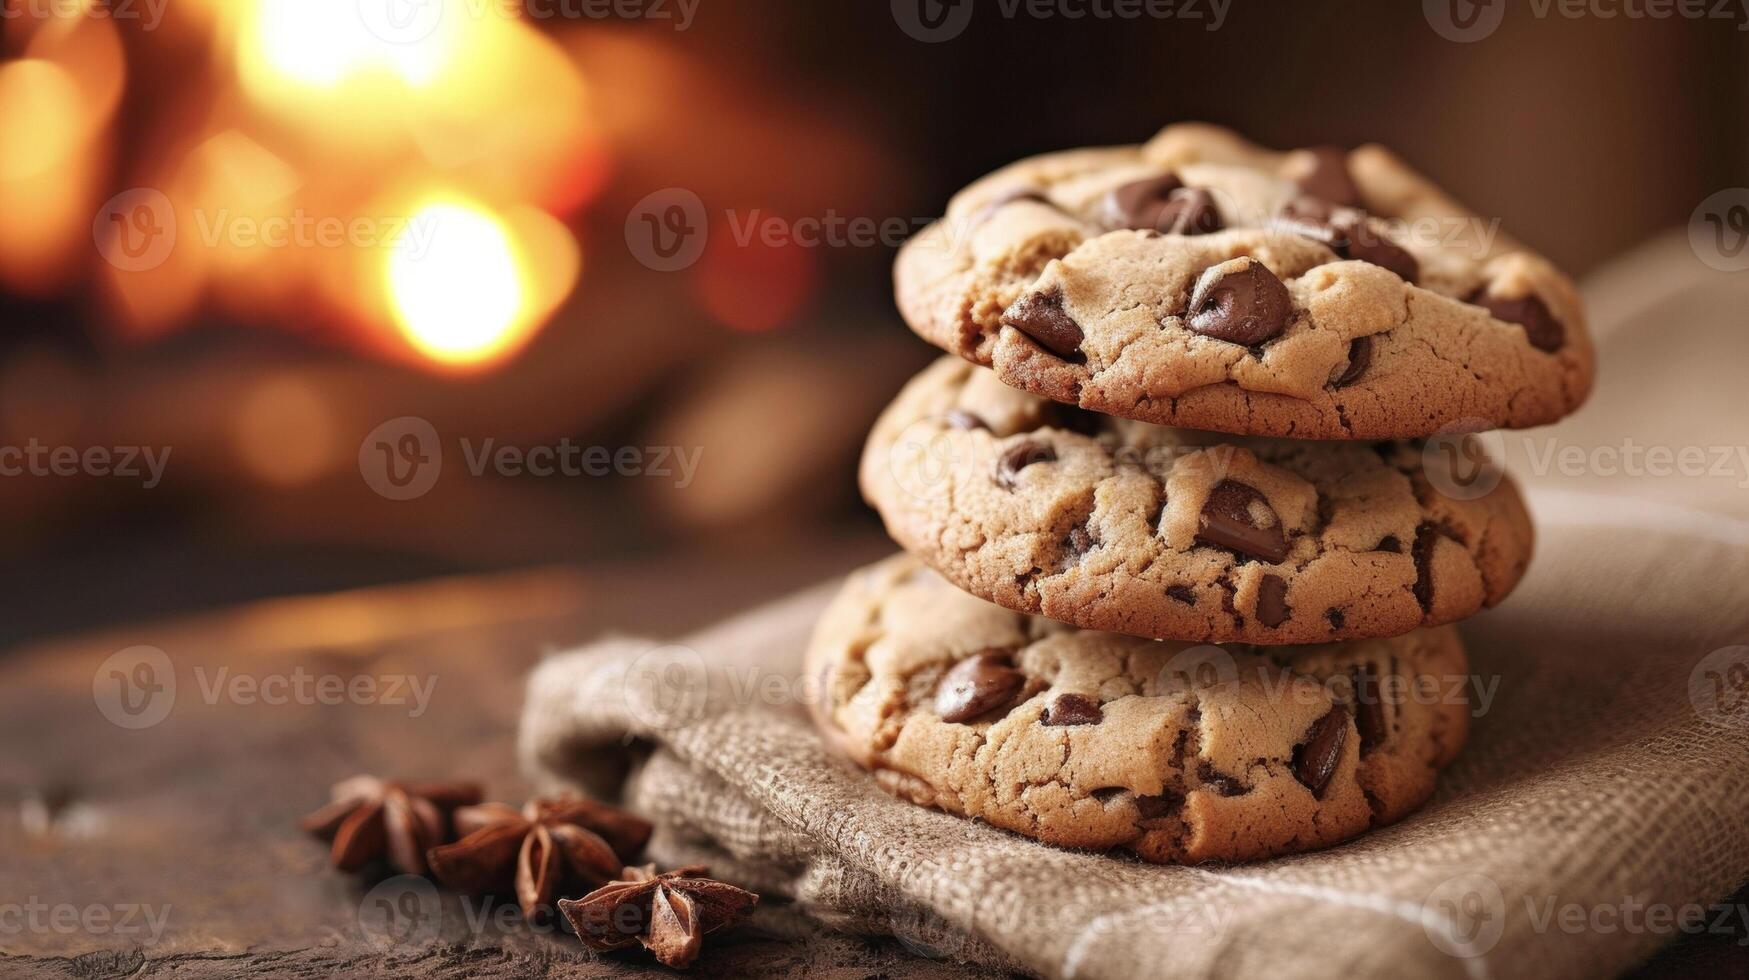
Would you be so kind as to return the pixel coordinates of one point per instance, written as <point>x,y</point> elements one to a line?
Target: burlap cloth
<point>1604,789</point>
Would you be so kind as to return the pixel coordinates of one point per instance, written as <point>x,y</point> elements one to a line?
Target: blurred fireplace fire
<point>250,233</point>
<point>398,185</point>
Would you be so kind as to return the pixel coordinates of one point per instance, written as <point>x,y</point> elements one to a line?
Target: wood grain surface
<point>172,850</point>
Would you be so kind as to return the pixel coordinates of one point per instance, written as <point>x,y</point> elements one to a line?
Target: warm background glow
<point>316,115</point>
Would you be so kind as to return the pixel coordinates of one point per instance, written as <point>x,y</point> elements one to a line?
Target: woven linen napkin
<point>1597,810</point>
<point>1603,791</point>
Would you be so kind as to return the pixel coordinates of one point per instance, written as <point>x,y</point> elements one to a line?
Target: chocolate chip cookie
<point>1097,740</point>
<point>1201,281</point>
<point>1117,525</point>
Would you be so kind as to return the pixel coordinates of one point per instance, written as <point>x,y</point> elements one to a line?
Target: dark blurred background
<point>529,142</point>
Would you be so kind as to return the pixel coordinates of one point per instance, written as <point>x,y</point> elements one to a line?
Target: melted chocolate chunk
<point>1272,607</point>
<point>1041,316</point>
<point>1227,522</point>
<point>1359,359</point>
<point>1137,204</point>
<point>1316,757</point>
<point>977,686</point>
<point>1329,178</point>
<point>1244,304</point>
<point>1544,332</point>
<point>1426,536</point>
<point>1369,708</point>
<point>1072,709</point>
<point>1018,458</point>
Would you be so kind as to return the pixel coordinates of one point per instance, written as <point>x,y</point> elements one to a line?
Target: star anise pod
<point>552,847</point>
<point>370,817</point>
<point>669,913</point>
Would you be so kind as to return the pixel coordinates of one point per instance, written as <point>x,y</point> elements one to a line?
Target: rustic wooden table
<point>150,826</point>
<point>171,849</point>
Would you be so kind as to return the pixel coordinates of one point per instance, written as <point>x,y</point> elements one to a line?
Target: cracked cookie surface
<point>1098,740</point>
<point>1116,525</point>
<point>1076,276</point>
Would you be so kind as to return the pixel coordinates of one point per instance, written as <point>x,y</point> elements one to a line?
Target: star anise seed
<point>551,847</point>
<point>368,818</point>
<point>669,914</point>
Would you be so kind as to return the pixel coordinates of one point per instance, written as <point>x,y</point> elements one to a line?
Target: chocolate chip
<point>1041,316</point>
<point>1530,312</point>
<point>1188,211</point>
<point>1227,522</point>
<point>1240,302</point>
<point>1221,784</point>
<point>1081,541</point>
<point>1335,618</point>
<point>960,419</point>
<point>1328,177</point>
<point>1359,359</point>
<point>1138,204</point>
<point>1369,708</point>
<point>1019,457</point>
<point>1159,807</point>
<point>976,686</point>
<point>1390,543</point>
<point>1426,536</point>
<point>1075,545</point>
<point>1078,543</point>
<point>1057,415</point>
<point>1361,242</point>
<point>1073,709</point>
<point>1272,608</point>
<point>1182,593</point>
<point>1315,758</point>
<point>1349,234</point>
<point>1002,200</point>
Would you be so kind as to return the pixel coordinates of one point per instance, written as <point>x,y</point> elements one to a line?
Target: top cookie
<point>1203,282</point>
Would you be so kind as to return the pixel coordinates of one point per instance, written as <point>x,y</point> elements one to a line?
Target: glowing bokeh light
<point>455,287</point>
<point>322,43</point>
<point>755,285</point>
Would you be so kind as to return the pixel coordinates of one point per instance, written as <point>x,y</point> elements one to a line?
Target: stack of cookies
<point>1190,508</point>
